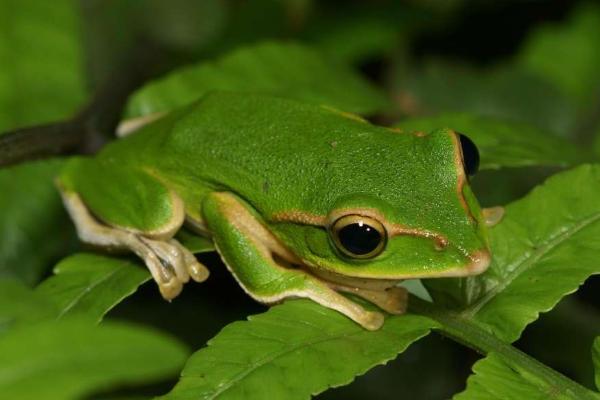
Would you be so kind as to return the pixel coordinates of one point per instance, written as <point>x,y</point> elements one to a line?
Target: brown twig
<point>94,125</point>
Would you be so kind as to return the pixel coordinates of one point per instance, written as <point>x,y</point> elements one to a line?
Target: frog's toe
<point>167,264</point>
<point>171,256</point>
<point>169,285</point>
<point>170,289</point>
<point>178,264</point>
<point>492,215</point>
<point>372,320</point>
<point>195,269</point>
<point>198,272</point>
<point>396,300</point>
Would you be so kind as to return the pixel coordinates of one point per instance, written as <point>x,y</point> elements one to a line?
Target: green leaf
<point>283,69</point>
<point>505,92</point>
<point>42,70</point>
<point>466,331</point>
<point>91,285</point>
<point>41,79</point>
<point>596,359</point>
<point>357,38</point>
<point>183,24</point>
<point>596,144</point>
<point>544,248</point>
<point>567,55</point>
<point>19,304</point>
<point>71,358</point>
<point>495,379</point>
<point>502,143</point>
<point>34,228</point>
<point>277,19</point>
<point>113,29</point>
<point>293,351</point>
<point>573,321</point>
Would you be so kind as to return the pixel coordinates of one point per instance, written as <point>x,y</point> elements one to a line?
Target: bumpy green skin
<point>282,157</point>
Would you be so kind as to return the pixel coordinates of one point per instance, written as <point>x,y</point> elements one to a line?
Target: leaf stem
<point>35,142</point>
<point>465,331</point>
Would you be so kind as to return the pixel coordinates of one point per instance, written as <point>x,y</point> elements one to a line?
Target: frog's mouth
<point>476,263</point>
<point>470,264</point>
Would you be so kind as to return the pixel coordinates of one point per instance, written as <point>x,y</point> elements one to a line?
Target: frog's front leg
<point>393,300</point>
<point>169,263</point>
<point>248,250</point>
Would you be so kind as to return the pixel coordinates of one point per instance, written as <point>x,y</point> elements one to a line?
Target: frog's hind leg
<point>136,213</point>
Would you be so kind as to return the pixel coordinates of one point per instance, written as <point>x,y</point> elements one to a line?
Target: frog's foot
<point>393,300</point>
<point>170,264</point>
<point>178,264</point>
<point>492,215</point>
<point>178,259</point>
<point>132,125</point>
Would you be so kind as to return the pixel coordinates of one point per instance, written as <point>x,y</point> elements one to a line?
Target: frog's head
<point>405,212</point>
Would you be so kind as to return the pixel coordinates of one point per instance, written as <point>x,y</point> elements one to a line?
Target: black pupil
<point>470,155</point>
<point>359,238</point>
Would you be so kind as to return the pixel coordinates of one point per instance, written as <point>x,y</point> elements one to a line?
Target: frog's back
<point>276,153</point>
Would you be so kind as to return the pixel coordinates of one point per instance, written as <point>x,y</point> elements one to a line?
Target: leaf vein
<point>86,291</point>
<point>526,262</point>
<point>269,358</point>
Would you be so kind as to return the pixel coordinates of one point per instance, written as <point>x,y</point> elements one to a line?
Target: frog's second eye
<point>470,155</point>
<point>358,236</point>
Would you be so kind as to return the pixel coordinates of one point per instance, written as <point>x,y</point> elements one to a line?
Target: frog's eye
<point>470,155</point>
<point>358,236</point>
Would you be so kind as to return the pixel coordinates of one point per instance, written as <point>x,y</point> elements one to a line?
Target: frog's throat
<point>480,260</point>
<point>335,278</point>
<point>392,229</point>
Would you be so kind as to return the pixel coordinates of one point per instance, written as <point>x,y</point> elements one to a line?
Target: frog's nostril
<point>440,243</point>
<point>480,261</point>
